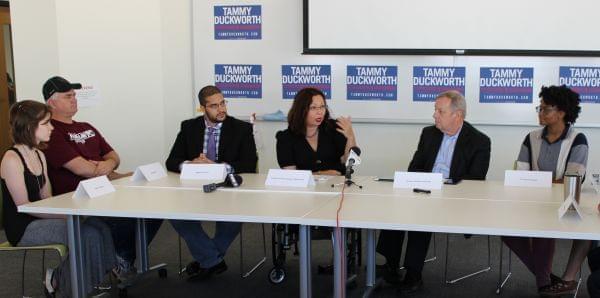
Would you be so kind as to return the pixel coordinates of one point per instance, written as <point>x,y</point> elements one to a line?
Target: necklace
<point>30,155</point>
<point>31,158</point>
<point>313,135</point>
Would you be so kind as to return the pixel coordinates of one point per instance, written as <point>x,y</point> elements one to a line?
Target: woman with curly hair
<point>559,148</point>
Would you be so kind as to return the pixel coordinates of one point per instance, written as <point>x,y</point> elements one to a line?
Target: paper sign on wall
<point>194,171</point>
<point>149,172</point>
<point>93,187</point>
<point>88,95</point>
<point>290,178</point>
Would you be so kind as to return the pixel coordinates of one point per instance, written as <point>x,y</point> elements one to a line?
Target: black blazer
<point>471,157</point>
<point>236,144</point>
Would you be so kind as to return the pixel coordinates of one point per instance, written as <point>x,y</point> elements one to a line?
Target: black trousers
<point>593,281</point>
<point>390,246</point>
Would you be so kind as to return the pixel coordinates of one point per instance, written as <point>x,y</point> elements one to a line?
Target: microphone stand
<point>348,178</point>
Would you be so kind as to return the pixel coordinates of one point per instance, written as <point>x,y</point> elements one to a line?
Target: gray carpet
<point>465,255</point>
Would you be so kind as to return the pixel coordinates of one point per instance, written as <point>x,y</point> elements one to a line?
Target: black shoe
<point>390,273</point>
<point>325,269</point>
<point>192,268</point>
<point>410,284</point>
<point>198,273</point>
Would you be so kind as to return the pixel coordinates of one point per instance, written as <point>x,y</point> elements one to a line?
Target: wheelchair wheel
<point>277,275</point>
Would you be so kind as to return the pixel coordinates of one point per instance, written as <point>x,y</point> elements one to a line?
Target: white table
<point>187,204</point>
<point>471,207</point>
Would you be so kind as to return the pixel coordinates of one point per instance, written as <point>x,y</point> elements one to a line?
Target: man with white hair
<point>452,147</point>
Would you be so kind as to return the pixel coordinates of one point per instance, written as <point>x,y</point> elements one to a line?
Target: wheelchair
<point>284,237</point>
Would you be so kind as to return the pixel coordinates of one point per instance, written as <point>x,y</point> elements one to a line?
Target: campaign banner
<point>238,22</point>
<point>239,80</point>
<point>371,82</point>
<point>296,77</point>
<point>429,81</point>
<point>506,84</point>
<point>584,80</point>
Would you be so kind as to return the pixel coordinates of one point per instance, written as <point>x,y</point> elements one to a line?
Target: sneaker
<point>198,273</point>
<point>48,281</point>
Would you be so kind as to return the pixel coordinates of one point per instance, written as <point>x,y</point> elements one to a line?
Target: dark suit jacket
<point>236,144</point>
<point>471,157</point>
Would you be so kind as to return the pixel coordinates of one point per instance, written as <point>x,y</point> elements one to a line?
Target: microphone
<point>232,180</point>
<point>353,157</point>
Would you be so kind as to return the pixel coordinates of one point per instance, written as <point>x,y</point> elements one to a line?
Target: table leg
<point>372,282</point>
<point>305,275</point>
<point>339,259</point>
<point>75,256</point>
<point>140,245</point>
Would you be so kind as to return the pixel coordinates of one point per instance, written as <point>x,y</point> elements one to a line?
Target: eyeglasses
<point>215,106</point>
<point>544,109</point>
<point>319,108</point>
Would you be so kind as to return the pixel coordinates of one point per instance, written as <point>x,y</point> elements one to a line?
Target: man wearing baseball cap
<point>77,151</point>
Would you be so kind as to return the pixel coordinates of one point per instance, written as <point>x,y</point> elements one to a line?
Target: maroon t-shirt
<point>67,142</point>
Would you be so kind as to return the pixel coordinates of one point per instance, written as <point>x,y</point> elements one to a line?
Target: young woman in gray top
<point>559,148</point>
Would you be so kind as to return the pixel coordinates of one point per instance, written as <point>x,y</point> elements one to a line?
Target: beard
<point>215,118</point>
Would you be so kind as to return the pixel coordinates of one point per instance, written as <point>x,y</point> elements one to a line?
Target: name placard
<point>565,207</point>
<point>418,180</point>
<point>528,178</point>
<point>149,172</point>
<point>290,178</point>
<point>195,171</point>
<point>93,188</point>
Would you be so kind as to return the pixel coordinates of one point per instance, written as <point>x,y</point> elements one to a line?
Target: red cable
<point>341,247</point>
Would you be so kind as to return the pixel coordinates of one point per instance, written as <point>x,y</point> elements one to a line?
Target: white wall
<point>140,52</point>
<point>137,52</point>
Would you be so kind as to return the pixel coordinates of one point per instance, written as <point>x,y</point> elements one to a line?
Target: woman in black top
<point>313,141</point>
<point>25,179</point>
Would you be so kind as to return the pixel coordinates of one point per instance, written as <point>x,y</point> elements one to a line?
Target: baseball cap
<point>57,84</point>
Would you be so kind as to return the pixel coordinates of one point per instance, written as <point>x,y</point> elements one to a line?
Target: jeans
<point>206,251</point>
<point>123,232</point>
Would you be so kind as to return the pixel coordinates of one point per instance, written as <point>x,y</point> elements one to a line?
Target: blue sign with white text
<point>239,80</point>
<point>238,22</point>
<point>371,82</point>
<point>429,81</point>
<point>296,77</point>
<point>506,85</point>
<point>584,80</point>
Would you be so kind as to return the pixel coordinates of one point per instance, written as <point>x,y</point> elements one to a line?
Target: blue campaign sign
<point>371,82</point>
<point>584,80</point>
<point>239,80</point>
<point>238,22</point>
<point>506,85</point>
<point>429,81</point>
<point>296,77</point>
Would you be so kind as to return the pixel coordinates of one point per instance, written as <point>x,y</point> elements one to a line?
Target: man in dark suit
<point>213,137</point>
<point>452,147</point>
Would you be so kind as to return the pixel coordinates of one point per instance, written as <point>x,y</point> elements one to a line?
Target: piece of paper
<point>290,178</point>
<point>88,95</point>
<point>528,178</point>
<point>194,171</point>
<point>93,188</point>
<point>420,180</point>
<point>565,207</point>
<point>149,172</point>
